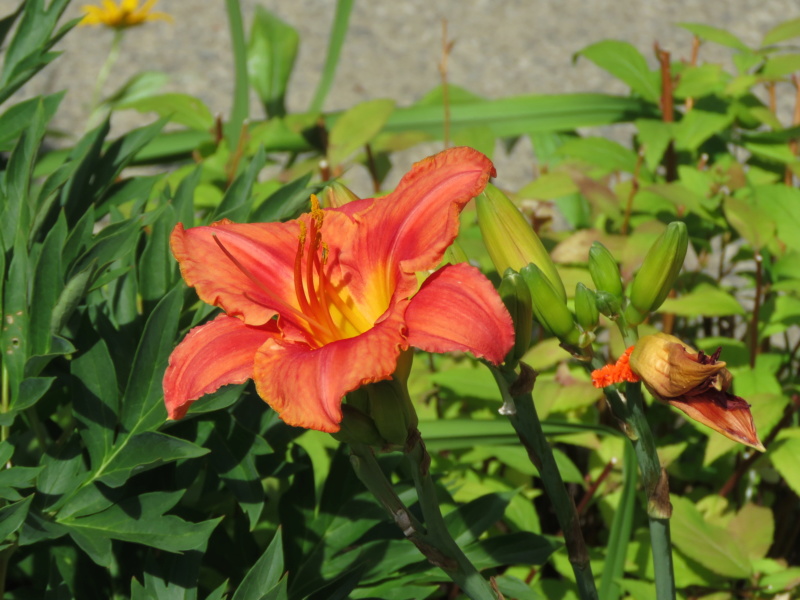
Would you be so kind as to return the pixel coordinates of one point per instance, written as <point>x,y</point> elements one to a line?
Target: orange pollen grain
<point>618,372</point>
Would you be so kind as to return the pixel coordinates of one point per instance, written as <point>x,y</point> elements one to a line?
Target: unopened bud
<point>510,240</point>
<point>337,194</point>
<point>455,254</point>
<point>517,298</point>
<point>586,308</point>
<point>658,273</point>
<point>548,307</point>
<point>608,304</point>
<point>357,428</point>
<point>392,411</point>
<point>604,270</point>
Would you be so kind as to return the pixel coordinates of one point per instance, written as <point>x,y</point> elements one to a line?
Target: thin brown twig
<point>667,110</point>
<point>592,490</point>
<point>447,47</point>
<point>689,104</point>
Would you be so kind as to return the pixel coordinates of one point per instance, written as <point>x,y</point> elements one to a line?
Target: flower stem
<point>521,411</point>
<point>102,76</point>
<point>455,563</point>
<point>432,539</point>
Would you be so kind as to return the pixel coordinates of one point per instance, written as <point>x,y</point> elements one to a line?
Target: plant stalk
<point>521,411</point>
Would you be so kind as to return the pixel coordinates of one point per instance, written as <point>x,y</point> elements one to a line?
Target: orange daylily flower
<point>126,14</point>
<point>319,306</point>
<point>691,381</point>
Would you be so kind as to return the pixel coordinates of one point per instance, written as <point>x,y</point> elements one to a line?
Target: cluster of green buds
<point>515,248</point>
<point>519,254</point>
<point>380,414</point>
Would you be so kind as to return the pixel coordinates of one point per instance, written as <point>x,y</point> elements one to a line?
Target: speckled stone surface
<point>502,47</point>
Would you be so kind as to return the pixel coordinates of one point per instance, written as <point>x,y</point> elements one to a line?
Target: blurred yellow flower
<point>126,14</point>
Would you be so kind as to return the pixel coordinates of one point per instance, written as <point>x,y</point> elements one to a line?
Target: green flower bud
<point>658,273</point>
<point>510,240</point>
<point>455,254</point>
<point>392,411</point>
<point>604,270</point>
<point>357,428</point>
<point>548,307</point>
<point>517,298</point>
<point>586,308</point>
<point>608,304</point>
<point>337,194</point>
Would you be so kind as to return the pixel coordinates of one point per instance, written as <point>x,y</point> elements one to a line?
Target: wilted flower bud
<point>669,368</point>
<point>517,298</point>
<point>548,307</point>
<point>604,270</point>
<point>510,240</point>
<point>658,273</point>
<point>691,381</point>
<point>337,194</point>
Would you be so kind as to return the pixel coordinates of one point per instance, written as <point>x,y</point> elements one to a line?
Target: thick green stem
<point>432,539</point>
<point>521,412</point>
<point>654,477</point>
<point>454,562</point>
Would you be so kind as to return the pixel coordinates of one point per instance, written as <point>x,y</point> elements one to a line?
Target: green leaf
<point>754,225</point>
<point>607,154</point>
<point>70,297</point>
<point>521,548</point>
<point>701,80</point>
<point>356,127</point>
<point>236,203</point>
<point>716,35</point>
<point>95,398</point>
<point>142,405</point>
<point>785,31</point>
<point>711,546</point>
<point>286,202</point>
<point>157,268</point>
<point>175,108</point>
<point>12,516</point>
<point>625,62</point>
<point>705,300</point>
<point>339,27</point>
<point>265,574</point>
<point>145,451</point>
<point>697,126</point>
<point>240,110</point>
<point>471,520</point>
<point>141,520</point>
<point>19,116</point>
<point>31,390</point>
<point>271,53</point>
<point>141,85</point>
<point>15,478</point>
<point>785,456</point>
<point>654,136</point>
<point>48,281</point>
<point>621,528</point>
<point>16,315</point>
<point>781,65</point>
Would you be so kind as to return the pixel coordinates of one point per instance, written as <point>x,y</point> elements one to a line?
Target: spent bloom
<point>123,15</point>
<point>688,380</point>
<point>316,307</point>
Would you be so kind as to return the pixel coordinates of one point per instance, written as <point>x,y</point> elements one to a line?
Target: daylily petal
<point>413,226</point>
<point>266,250</point>
<point>305,386</point>
<point>458,309</point>
<point>724,413</point>
<point>210,356</point>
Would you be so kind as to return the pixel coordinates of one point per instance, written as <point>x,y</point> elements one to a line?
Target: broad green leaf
<point>785,456</point>
<point>69,298</point>
<point>271,53</point>
<point>469,521</point>
<point>701,80</point>
<point>607,154</point>
<point>31,390</point>
<point>782,32</point>
<point>48,282</point>
<point>775,152</point>
<point>782,204</point>
<point>481,138</point>
<point>703,300</point>
<point>141,85</point>
<point>157,268</point>
<point>265,574</point>
<point>781,65</point>
<point>142,452</point>
<point>754,225</point>
<point>19,116</point>
<point>141,519</point>
<point>697,126</point>
<point>142,405</point>
<point>715,34</point>
<point>654,136</point>
<point>754,528</point>
<point>175,108</point>
<point>521,548</point>
<point>711,546</point>
<point>625,62</point>
<point>549,186</point>
<point>356,127</point>
<point>12,516</point>
<point>16,316</point>
<point>468,382</point>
